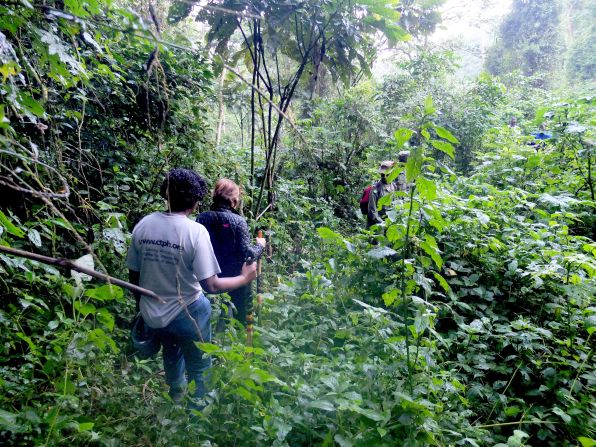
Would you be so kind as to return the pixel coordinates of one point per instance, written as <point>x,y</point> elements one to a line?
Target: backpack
<point>364,199</point>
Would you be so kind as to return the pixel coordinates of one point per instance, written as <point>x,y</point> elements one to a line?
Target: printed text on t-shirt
<point>161,243</point>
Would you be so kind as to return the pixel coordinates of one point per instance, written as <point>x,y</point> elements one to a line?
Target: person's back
<point>380,188</point>
<point>231,240</point>
<point>228,232</point>
<point>170,251</point>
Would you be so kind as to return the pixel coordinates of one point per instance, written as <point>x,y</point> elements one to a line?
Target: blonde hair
<point>226,192</point>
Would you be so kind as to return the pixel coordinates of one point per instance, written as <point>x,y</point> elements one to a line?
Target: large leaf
<point>429,108</point>
<point>402,136</point>
<point>429,245</point>
<point>10,227</point>
<point>327,233</point>
<point>444,146</point>
<point>445,134</point>
<point>106,292</point>
<point>381,252</point>
<point>426,188</point>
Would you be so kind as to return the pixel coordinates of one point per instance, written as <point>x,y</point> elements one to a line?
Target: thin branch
<point>68,264</point>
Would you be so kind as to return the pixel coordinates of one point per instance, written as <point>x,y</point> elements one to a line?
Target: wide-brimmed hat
<point>386,165</point>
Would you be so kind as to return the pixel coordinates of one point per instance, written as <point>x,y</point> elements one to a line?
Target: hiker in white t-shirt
<point>172,255</point>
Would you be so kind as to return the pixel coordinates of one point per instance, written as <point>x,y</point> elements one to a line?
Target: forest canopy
<point>464,316</point>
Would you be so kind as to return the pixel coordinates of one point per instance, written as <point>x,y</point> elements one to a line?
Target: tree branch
<point>68,264</point>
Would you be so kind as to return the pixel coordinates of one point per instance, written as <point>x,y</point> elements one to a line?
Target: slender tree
<point>281,42</point>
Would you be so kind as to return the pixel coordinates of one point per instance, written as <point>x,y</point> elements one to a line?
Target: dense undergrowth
<point>466,319</point>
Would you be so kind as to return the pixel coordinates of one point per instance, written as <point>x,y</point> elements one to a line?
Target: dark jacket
<point>230,239</point>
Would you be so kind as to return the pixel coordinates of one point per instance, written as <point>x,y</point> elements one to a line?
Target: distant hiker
<point>402,184</point>
<point>231,240</point>
<point>383,187</point>
<point>172,256</point>
<point>364,199</point>
<point>514,128</point>
<point>542,134</point>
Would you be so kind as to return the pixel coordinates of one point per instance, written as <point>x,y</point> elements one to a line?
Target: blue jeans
<point>180,352</point>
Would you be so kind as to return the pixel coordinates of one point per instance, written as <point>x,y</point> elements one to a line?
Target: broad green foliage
<point>467,111</point>
<point>341,138</point>
<point>88,103</point>
<point>98,101</point>
<point>529,40</point>
<point>581,61</point>
<point>496,282</point>
<point>338,33</point>
<point>466,319</point>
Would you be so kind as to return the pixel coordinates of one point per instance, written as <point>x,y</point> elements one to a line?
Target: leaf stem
<point>405,300</point>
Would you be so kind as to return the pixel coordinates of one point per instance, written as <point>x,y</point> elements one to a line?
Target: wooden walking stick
<point>250,316</point>
<point>259,283</point>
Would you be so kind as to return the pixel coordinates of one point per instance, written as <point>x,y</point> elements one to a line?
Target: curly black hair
<point>183,188</point>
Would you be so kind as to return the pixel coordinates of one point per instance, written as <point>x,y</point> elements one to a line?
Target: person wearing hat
<point>402,158</point>
<point>383,187</point>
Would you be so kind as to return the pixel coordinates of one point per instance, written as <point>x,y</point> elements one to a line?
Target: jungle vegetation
<point>466,319</point>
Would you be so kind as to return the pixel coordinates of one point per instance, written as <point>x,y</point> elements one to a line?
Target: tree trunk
<point>222,109</point>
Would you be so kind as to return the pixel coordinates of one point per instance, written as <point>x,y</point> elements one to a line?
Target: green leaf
<point>326,233</point>
<point>426,188</point>
<point>64,385</point>
<point>390,297</point>
<point>208,348</point>
<point>244,393</point>
<point>586,442</point>
<point>429,108</point>
<point>384,201</point>
<point>394,232</point>
<point>371,414</point>
<point>85,426</point>
<point>442,282</point>
<point>414,165</point>
<point>34,237</point>
<point>566,418</point>
<point>30,105</point>
<point>10,227</point>
<point>381,252</point>
<point>106,318</point>
<point>99,338</point>
<point>322,405</point>
<point>445,134</point>
<point>343,441</point>
<point>431,248</point>
<point>402,136</point>
<point>107,292</point>
<point>8,421</point>
<point>30,343</point>
<point>445,147</point>
<point>85,308</point>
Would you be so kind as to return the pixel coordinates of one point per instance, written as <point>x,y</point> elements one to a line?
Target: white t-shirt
<point>172,254</point>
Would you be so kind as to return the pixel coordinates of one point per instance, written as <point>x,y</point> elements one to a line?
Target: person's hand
<point>249,271</point>
<point>261,241</point>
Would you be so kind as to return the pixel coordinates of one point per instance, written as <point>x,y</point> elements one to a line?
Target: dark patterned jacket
<point>230,239</point>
